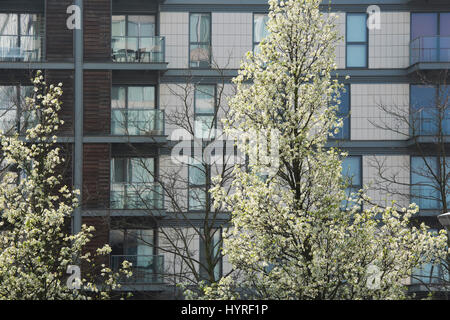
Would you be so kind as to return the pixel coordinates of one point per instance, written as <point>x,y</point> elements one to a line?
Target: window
<point>430,37</point>
<point>356,40</point>
<point>259,29</point>
<point>13,113</point>
<point>136,246</point>
<point>133,111</point>
<point>344,113</point>
<point>134,40</point>
<point>430,273</point>
<point>132,184</point>
<point>425,173</point>
<point>205,110</point>
<point>351,171</point>
<point>215,254</point>
<point>430,109</point>
<point>198,192</point>
<point>200,40</point>
<point>21,37</point>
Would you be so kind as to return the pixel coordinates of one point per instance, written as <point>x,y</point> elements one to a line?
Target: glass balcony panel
<point>20,48</point>
<point>147,269</point>
<point>151,50</point>
<point>137,122</point>
<point>430,49</point>
<point>138,49</point>
<point>136,196</point>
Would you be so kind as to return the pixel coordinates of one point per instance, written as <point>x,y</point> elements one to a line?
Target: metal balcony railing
<point>430,49</point>
<point>27,48</point>
<point>147,269</point>
<point>426,122</point>
<point>137,122</point>
<point>138,49</point>
<point>144,195</point>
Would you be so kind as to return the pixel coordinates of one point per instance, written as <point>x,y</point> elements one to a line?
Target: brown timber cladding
<point>97,30</point>
<point>96,172</point>
<point>59,42</point>
<point>97,102</point>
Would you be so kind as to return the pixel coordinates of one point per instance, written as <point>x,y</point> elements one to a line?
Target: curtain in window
<point>260,27</point>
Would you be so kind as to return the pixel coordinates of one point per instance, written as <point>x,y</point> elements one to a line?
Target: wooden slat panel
<point>35,6</point>
<point>97,30</point>
<point>97,102</point>
<point>96,172</point>
<point>59,42</point>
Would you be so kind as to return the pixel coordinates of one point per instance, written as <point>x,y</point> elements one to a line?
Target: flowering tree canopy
<point>36,246</point>
<point>290,237</point>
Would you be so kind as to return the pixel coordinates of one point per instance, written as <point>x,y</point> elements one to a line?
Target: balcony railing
<point>147,269</point>
<point>147,196</point>
<point>426,122</point>
<point>137,122</point>
<point>138,49</point>
<point>430,49</point>
<point>21,48</point>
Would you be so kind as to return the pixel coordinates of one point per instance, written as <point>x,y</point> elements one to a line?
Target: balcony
<point>137,122</point>
<point>431,52</point>
<point>21,48</point>
<point>138,49</point>
<point>427,121</point>
<point>147,269</point>
<point>137,196</point>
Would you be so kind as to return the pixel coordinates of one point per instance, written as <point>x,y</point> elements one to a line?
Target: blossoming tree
<point>36,247</point>
<point>290,238</point>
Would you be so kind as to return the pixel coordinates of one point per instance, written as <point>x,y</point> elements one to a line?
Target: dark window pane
<point>351,169</point>
<point>444,22</point>
<point>119,170</point>
<point>423,24</point>
<point>116,241</point>
<point>343,112</point>
<point>423,191</point>
<point>423,109</point>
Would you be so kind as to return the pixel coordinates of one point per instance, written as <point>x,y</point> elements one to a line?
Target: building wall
<point>232,38</point>
<point>366,112</point>
<point>174,26</point>
<point>389,45</point>
<point>394,167</point>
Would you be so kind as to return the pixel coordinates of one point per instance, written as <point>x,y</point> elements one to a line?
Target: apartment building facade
<point>137,74</point>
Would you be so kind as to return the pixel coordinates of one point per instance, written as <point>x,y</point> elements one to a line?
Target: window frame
<point>437,89</point>
<point>347,87</point>
<point>201,187</point>
<point>203,114</point>
<point>361,177</point>
<point>209,44</point>
<point>347,43</point>
<point>255,44</point>
<point>428,211</point>
<point>42,33</point>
